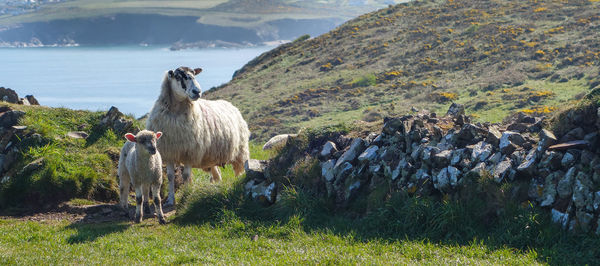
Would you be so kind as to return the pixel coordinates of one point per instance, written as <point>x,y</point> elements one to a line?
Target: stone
<point>478,170</point>
<point>116,120</point>
<point>255,169</point>
<point>32,166</point>
<point>502,170</point>
<point>393,125</point>
<point>549,192</point>
<point>457,156</point>
<point>329,149</point>
<point>356,147</point>
<point>574,134</point>
<point>455,110</point>
<point>547,139</point>
<point>551,160</point>
<point>481,151</point>
<point>327,170</point>
<point>263,192</point>
<point>446,179</point>
<point>560,218</point>
<point>342,171</point>
<point>421,174</point>
<point>584,220</point>
<point>10,118</point>
<point>8,95</point>
<point>596,203</point>
<point>528,165</point>
<point>442,158</point>
<point>77,134</point>
<point>582,197</point>
<point>565,184</point>
<point>493,136</point>
<point>32,100</point>
<point>370,154</point>
<point>568,160</point>
<point>508,141</point>
<point>278,142</point>
<point>494,159</point>
<point>577,144</point>
<point>517,127</point>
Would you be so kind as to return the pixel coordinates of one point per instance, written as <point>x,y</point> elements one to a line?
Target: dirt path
<point>88,214</point>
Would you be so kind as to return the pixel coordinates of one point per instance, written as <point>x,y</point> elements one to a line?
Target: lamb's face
<point>184,84</point>
<point>145,139</point>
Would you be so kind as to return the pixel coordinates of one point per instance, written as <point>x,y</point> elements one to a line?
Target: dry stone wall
<point>424,154</point>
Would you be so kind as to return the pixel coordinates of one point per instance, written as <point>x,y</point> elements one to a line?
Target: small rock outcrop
<point>10,96</point>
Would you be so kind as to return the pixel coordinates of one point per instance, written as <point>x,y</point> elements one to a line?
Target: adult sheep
<point>198,133</point>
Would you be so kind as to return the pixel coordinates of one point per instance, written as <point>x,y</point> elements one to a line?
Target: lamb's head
<point>145,139</point>
<point>183,83</point>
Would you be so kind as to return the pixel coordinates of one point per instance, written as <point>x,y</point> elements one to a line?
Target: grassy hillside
<point>230,13</point>
<point>496,57</point>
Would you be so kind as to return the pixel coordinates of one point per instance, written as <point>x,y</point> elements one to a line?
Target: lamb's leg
<point>171,176</point>
<point>187,174</point>
<point>157,203</point>
<point>139,206</point>
<point>216,174</point>
<point>124,183</point>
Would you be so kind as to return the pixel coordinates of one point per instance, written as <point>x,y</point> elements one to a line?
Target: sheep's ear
<point>130,137</point>
<point>171,74</point>
<point>197,71</point>
<point>158,135</point>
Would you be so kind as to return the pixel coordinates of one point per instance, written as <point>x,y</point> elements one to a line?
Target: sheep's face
<point>145,139</point>
<point>184,84</point>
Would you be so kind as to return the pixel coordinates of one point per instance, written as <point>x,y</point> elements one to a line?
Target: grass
<point>69,168</point>
<point>122,243</point>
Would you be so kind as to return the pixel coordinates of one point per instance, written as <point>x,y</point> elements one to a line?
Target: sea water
<point>96,78</point>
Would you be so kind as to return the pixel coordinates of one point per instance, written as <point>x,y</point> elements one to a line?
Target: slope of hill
<point>496,57</point>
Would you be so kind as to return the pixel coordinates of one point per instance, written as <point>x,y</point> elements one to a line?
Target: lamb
<point>198,133</point>
<point>140,164</point>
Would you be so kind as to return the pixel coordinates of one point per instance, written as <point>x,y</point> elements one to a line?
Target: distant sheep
<point>198,133</point>
<point>140,164</point>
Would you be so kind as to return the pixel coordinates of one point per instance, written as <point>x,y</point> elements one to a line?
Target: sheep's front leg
<point>187,174</point>
<point>171,176</point>
<point>139,206</point>
<point>216,174</point>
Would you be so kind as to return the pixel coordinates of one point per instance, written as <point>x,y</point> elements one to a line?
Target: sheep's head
<point>184,84</point>
<point>146,139</point>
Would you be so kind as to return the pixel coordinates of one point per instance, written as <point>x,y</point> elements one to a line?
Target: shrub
<point>364,81</point>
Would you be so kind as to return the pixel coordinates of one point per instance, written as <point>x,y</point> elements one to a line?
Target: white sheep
<point>140,164</point>
<point>198,133</point>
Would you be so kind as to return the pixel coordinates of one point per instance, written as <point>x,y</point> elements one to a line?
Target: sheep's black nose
<point>152,151</point>
<point>196,92</point>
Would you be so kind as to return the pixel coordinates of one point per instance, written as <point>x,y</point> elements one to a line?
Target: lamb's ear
<point>130,137</point>
<point>197,71</point>
<point>171,74</point>
<point>158,135</point>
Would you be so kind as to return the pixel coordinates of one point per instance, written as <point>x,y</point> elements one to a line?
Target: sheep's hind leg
<point>157,204</point>
<point>187,174</point>
<point>171,176</point>
<point>216,174</point>
<point>124,183</point>
<point>139,207</point>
